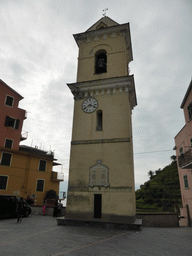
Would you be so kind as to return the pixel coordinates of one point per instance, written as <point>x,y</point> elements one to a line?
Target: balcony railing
<point>185,160</point>
<point>57,176</point>
<point>25,115</point>
<point>24,135</point>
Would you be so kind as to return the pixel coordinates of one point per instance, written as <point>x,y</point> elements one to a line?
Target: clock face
<point>89,105</point>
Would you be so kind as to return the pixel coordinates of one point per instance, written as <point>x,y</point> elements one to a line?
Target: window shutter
<point>17,124</point>
<point>7,121</point>
<point>8,143</point>
<point>6,159</point>
<point>42,165</point>
<point>3,182</point>
<point>103,177</point>
<point>40,185</point>
<point>186,181</point>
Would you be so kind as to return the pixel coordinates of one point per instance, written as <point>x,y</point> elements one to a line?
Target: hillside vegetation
<point>161,193</point>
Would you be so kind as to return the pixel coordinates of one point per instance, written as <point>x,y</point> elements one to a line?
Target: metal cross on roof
<point>104,12</point>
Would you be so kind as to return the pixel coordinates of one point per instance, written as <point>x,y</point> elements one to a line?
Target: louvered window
<point>40,185</point>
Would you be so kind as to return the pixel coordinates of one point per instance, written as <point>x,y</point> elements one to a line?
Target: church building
<point>101,174</point>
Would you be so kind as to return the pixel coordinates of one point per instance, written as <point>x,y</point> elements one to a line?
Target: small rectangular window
<point>42,165</point>
<point>191,141</point>
<point>185,181</point>
<point>6,159</point>
<point>181,151</point>
<point>3,182</point>
<point>189,108</point>
<point>8,143</point>
<point>9,101</point>
<point>99,126</point>
<point>12,122</point>
<point>93,177</point>
<point>40,185</point>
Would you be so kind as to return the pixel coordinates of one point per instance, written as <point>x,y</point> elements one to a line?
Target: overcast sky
<point>38,56</point>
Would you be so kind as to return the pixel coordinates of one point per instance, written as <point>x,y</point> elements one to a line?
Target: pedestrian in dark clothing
<point>59,207</point>
<point>44,207</point>
<point>19,210</point>
<point>55,210</point>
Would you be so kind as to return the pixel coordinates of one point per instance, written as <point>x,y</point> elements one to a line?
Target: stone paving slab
<point>40,235</point>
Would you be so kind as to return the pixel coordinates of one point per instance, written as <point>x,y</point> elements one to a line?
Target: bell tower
<point>101,174</point>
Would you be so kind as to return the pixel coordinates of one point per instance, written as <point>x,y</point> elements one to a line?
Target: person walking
<point>19,210</point>
<point>55,210</point>
<point>44,207</point>
<point>60,205</point>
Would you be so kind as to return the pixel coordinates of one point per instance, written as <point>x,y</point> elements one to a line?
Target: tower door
<point>97,206</point>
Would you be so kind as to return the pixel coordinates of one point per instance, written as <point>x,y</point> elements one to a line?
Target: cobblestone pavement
<point>40,235</point>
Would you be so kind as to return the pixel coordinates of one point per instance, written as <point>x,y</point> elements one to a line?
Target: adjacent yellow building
<point>24,171</point>
<point>27,172</point>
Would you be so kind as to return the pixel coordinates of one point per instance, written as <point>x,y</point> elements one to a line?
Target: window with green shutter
<point>3,182</point>
<point>40,185</point>
<point>42,165</point>
<point>185,181</point>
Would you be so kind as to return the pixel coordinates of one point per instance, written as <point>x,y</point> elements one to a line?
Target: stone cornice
<point>108,86</point>
<point>96,35</point>
<point>116,140</point>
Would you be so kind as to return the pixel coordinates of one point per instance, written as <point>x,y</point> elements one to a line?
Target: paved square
<point>40,235</point>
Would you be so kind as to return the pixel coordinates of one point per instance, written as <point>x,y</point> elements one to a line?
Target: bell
<point>101,63</point>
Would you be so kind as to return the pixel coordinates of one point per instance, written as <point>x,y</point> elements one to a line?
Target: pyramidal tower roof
<point>104,22</point>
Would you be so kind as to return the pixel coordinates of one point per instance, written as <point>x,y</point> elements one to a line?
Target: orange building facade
<point>11,117</point>
<point>24,171</point>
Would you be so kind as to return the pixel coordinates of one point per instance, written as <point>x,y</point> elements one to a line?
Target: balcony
<point>57,176</point>
<point>185,160</point>
<point>24,135</point>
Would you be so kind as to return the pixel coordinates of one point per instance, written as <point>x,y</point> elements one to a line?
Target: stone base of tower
<point>131,224</point>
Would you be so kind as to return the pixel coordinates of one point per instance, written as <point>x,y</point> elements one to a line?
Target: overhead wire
<point>152,152</point>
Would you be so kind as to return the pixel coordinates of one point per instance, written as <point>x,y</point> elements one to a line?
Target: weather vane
<point>104,12</point>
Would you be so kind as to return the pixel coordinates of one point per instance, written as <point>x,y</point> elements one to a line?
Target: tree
<point>173,158</point>
<point>51,194</point>
<point>151,174</point>
<point>158,171</point>
<point>161,192</point>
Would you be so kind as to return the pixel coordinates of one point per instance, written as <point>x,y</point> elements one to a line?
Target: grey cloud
<point>39,52</point>
<point>18,70</point>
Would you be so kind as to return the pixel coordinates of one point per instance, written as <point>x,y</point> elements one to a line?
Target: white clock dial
<point>89,105</point>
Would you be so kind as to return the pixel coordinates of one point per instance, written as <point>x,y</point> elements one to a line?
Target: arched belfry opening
<point>101,62</point>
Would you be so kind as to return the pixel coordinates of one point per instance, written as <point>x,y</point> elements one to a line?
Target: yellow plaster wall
<point>113,203</point>
<point>117,199</point>
<point>116,156</point>
<point>23,174</point>
<point>116,118</point>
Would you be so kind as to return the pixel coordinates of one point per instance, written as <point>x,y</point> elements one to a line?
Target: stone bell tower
<point>101,175</point>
